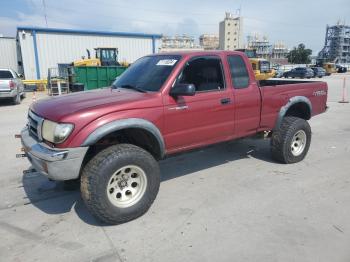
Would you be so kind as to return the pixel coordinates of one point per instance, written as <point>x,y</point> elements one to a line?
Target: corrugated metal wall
<point>54,48</point>
<point>26,54</point>
<point>8,53</point>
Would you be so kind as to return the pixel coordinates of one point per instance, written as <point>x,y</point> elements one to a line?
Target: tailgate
<point>4,85</point>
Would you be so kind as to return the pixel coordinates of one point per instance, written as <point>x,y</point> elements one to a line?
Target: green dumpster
<point>94,77</point>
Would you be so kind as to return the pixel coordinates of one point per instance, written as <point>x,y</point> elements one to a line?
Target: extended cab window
<point>147,73</point>
<point>239,72</point>
<point>205,73</point>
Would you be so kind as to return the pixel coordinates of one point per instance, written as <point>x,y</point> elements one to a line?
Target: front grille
<point>34,125</point>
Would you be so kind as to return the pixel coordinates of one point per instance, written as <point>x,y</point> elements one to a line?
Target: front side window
<point>205,73</point>
<point>239,72</point>
<point>148,73</point>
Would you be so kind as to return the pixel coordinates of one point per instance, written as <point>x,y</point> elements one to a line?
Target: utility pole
<point>45,16</point>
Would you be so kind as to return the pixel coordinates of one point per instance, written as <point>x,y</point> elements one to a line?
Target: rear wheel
<point>291,142</point>
<point>120,183</point>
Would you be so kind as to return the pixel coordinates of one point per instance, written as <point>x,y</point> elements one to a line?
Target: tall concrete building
<point>337,44</point>
<point>231,32</point>
<point>209,41</point>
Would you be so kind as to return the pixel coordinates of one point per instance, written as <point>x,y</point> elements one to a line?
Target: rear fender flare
<point>292,101</point>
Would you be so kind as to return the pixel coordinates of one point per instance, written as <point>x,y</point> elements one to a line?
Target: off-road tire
<point>96,176</point>
<point>282,138</point>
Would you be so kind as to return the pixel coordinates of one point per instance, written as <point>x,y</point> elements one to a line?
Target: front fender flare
<point>116,125</point>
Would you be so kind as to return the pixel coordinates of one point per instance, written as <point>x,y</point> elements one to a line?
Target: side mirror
<point>20,76</point>
<point>183,90</point>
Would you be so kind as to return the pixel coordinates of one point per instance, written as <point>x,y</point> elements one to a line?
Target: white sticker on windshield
<point>167,62</point>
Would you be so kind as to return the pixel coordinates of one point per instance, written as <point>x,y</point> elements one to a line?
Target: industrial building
<point>209,41</point>
<point>337,44</point>
<point>178,43</point>
<point>261,44</point>
<point>39,49</point>
<point>275,53</point>
<point>279,53</point>
<point>8,53</point>
<point>231,32</point>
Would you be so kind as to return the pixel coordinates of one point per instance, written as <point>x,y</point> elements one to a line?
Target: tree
<point>299,55</point>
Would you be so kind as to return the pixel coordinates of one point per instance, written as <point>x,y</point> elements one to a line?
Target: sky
<point>292,21</point>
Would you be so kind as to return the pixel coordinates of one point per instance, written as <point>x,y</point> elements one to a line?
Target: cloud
<point>292,22</point>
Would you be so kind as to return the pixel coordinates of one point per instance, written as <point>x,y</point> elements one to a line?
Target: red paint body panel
<point>187,122</point>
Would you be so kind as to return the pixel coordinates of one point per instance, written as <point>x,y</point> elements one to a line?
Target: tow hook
<point>23,154</point>
<point>29,171</point>
<point>22,149</point>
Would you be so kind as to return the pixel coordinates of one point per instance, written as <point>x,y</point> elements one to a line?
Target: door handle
<point>225,101</point>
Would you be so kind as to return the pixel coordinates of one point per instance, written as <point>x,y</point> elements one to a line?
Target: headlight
<point>54,132</point>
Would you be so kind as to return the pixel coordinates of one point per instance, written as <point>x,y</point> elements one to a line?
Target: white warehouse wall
<point>66,47</point>
<point>8,53</point>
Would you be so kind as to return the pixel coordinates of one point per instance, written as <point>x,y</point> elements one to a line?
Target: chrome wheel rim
<point>127,186</point>
<point>298,143</point>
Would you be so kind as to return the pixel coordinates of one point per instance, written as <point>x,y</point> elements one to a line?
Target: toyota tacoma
<point>112,139</point>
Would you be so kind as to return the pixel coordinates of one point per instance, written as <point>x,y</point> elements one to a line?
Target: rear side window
<point>5,74</point>
<point>239,72</point>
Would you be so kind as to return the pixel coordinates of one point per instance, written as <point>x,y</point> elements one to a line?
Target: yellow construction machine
<point>328,66</point>
<point>261,67</point>
<point>104,56</point>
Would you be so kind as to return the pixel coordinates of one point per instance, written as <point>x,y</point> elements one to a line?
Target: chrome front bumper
<point>56,164</point>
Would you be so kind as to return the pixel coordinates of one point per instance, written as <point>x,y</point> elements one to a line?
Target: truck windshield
<point>147,73</point>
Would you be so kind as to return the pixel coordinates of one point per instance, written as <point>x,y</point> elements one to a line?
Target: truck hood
<point>97,102</point>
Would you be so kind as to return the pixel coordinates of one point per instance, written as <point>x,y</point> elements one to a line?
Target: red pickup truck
<point>111,139</point>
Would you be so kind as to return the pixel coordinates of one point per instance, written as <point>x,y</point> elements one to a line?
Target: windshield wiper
<point>134,88</point>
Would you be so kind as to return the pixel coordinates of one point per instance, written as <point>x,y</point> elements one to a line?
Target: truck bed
<point>278,82</point>
<point>276,94</point>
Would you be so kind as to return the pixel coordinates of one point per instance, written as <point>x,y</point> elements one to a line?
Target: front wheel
<point>290,143</point>
<point>120,183</point>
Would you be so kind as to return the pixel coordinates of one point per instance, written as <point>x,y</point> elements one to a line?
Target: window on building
<point>204,72</point>
<point>228,24</point>
<point>239,73</point>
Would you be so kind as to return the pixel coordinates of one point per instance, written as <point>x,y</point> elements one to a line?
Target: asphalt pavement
<point>228,202</point>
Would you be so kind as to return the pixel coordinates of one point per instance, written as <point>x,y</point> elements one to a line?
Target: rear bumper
<point>8,94</point>
<point>56,164</point>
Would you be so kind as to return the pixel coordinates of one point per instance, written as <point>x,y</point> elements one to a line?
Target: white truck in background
<point>11,86</point>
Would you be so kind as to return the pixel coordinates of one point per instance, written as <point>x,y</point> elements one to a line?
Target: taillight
<point>12,85</point>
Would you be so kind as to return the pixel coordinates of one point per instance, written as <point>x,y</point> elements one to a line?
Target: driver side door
<point>202,119</point>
